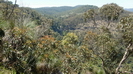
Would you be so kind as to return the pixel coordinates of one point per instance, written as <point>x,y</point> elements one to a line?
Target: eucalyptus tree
<point>110,12</point>
<point>102,42</point>
<point>125,30</point>
<point>105,49</point>
<point>91,14</point>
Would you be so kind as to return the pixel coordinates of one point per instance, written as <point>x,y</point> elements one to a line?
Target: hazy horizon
<point>58,3</point>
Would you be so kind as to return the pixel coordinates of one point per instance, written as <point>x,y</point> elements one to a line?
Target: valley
<point>82,39</point>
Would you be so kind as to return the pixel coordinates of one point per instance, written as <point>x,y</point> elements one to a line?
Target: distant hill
<point>64,9</point>
<point>65,17</point>
<point>129,9</point>
<point>53,10</point>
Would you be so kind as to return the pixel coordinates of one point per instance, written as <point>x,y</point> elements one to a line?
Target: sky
<point>53,3</point>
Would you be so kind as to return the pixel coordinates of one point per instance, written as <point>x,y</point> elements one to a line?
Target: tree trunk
<point>125,56</point>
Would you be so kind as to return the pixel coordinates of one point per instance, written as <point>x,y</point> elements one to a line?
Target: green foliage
<point>29,45</point>
<point>105,48</point>
<point>125,28</point>
<point>18,51</point>
<point>70,38</point>
<point>110,11</point>
<point>5,71</point>
<point>64,10</point>
<point>91,14</point>
<point>65,18</point>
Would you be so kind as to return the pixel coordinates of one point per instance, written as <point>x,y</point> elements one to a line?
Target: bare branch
<point>12,9</point>
<point>125,56</point>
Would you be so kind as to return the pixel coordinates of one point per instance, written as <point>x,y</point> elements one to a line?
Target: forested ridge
<point>64,9</point>
<point>129,9</point>
<point>66,16</point>
<point>83,39</point>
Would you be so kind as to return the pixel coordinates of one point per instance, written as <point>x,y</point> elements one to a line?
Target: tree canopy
<point>32,43</point>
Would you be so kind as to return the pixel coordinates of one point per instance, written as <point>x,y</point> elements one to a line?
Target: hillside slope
<point>64,9</point>
<point>129,9</point>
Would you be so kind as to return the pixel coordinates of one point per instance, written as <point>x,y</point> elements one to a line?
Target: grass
<point>5,71</point>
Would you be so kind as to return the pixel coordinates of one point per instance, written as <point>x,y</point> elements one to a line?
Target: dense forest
<point>84,39</point>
